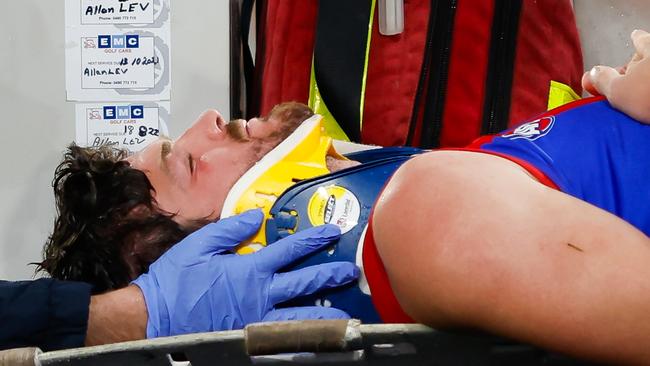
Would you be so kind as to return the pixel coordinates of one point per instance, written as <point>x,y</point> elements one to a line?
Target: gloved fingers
<point>283,252</point>
<point>306,281</point>
<point>641,40</point>
<point>225,234</point>
<point>305,313</point>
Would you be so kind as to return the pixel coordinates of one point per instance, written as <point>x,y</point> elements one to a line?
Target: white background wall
<point>36,123</point>
<point>605,27</point>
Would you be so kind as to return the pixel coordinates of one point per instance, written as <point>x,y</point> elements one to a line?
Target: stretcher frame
<point>314,342</point>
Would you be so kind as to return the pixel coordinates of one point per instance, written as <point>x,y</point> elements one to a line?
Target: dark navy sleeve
<point>44,313</point>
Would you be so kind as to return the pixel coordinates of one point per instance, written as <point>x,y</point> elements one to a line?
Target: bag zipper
<point>498,84</point>
<point>434,74</point>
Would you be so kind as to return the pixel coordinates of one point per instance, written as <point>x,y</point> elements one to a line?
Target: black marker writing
<point>123,8</point>
<point>132,141</point>
<point>133,7</point>
<point>98,141</point>
<point>155,60</point>
<point>96,72</point>
<point>99,9</point>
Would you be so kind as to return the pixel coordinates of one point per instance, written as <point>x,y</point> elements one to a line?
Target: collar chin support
<point>300,156</point>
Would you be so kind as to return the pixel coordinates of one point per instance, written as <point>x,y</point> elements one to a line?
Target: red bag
<point>459,69</point>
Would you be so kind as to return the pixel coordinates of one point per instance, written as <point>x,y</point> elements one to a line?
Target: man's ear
<point>131,259</point>
<point>139,250</point>
<point>140,211</point>
<point>131,248</point>
<point>147,239</point>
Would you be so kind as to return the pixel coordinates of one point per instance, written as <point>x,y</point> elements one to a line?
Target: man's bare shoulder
<point>442,177</point>
<point>472,240</point>
<point>439,189</point>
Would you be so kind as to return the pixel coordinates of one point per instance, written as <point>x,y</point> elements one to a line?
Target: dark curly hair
<point>108,229</point>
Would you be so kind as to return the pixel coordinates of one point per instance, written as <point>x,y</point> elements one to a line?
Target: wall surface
<point>605,27</point>
<point>37,123</point>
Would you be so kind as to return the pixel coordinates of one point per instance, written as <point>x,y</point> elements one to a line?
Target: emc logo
<point>124,112</point>
<point>118,41</point>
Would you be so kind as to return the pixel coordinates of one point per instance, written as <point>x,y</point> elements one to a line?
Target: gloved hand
<point>626,88</point>
<point>199,285</point>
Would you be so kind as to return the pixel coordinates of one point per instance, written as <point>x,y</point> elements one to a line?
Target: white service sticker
<point>104,63</point>
<point>130,126</point>
<point>120,13</point>
<point>117,12</point>
<point>118,61</point>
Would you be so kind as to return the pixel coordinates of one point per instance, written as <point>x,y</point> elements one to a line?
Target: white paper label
<point>118,61</point>
<point>117,50</point>
<point>117,12</point>
<point>131,126</point>
<point>104,63</point>
<point>120,13</point>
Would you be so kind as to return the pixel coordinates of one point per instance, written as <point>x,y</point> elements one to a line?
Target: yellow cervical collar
<point>300,156</point>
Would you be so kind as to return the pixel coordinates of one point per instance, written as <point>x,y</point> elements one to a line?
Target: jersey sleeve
<point>44,313</point>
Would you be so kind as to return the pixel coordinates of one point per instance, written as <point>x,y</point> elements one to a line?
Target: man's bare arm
<point>491,248</point>
<point>116,316</point>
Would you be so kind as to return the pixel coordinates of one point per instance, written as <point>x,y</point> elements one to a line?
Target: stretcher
<point>331,342</point>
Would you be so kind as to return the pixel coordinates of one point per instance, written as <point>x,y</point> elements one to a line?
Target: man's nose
<point>207,126</point>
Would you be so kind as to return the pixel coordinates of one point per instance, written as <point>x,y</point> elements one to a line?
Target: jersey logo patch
<point>532,130</point>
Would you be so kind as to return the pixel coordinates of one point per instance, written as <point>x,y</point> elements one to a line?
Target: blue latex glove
<point>199,285</point>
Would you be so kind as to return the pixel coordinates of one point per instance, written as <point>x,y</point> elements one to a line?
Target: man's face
<point>192,175</point>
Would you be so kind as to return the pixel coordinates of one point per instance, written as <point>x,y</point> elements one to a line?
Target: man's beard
<point>290,115</point>
<point>235,132</point>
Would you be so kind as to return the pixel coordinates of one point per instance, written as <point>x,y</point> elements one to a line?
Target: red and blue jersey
<point>588,150</point>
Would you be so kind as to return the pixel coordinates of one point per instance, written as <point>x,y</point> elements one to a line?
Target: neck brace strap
<point>300,156</point>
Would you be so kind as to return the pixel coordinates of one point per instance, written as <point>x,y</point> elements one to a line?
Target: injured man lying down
<point>539,233</point>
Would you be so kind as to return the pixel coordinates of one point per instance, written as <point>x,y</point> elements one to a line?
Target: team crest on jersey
<point>532,130</point>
